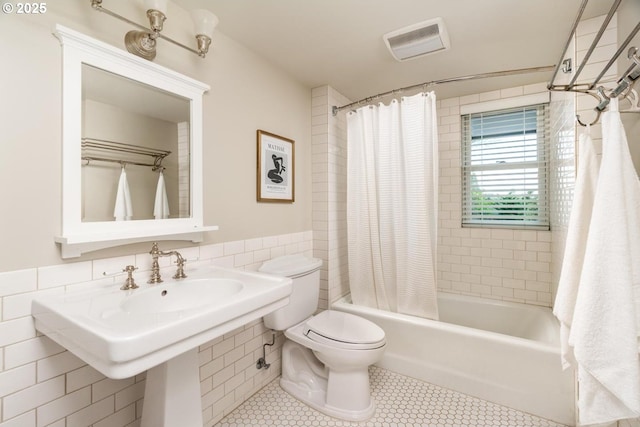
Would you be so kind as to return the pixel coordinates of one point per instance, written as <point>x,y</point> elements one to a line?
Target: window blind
<point>505,168</point>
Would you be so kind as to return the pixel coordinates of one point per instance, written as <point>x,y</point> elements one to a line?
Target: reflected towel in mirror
<point>123,210</point>
<point>161,205</point>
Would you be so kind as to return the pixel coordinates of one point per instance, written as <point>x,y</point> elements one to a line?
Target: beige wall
<point>246,94</point>
<point>49,385</point>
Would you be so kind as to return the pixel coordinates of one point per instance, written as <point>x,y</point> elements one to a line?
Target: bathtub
<point>502,352</point>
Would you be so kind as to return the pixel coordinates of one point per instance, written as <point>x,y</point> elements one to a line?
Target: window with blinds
<point>504,168</point>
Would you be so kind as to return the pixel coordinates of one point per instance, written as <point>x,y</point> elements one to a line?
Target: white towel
<point>577,232</point>
<point>161,205</point>
<point>604,331</point>
<point>123,210</point>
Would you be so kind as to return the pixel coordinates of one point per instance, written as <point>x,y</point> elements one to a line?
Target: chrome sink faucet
<point>155,267</point>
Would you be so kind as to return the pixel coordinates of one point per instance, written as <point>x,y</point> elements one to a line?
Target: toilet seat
<point>343,330</point>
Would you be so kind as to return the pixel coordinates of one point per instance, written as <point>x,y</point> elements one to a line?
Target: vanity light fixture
<point>143,42</point>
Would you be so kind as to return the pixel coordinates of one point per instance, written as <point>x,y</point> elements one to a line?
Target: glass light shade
<point>204,22</point>
<point>159,5</point>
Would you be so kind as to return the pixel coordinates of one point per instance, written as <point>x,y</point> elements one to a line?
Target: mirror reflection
<point>135,150</point>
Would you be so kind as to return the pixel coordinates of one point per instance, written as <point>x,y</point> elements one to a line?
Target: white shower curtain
<point>392,205</point>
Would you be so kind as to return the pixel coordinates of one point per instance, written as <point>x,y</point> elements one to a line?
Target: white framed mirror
<point>127,120</point>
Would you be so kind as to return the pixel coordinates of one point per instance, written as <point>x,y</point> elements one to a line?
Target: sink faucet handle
<point>181,262</point>
<point>130,282</point>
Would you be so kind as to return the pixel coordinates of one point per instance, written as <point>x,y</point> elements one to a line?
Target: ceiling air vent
<point>417,40</point>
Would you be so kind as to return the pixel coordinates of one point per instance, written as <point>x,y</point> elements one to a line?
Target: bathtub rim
<point>346,301</point>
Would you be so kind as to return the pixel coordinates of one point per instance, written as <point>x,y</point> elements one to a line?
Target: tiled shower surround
<point>512,265</point>
<point>42,384</point>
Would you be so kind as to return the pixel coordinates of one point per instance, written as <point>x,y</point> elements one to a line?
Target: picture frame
<point>276,168</point>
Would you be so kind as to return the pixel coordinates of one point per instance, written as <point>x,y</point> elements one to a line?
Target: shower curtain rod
<point>335,110</point>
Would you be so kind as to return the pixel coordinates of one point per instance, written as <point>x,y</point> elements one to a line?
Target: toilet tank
<point>303,301</point>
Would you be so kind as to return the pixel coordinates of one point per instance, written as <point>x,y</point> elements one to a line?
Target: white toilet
<point>326,357</point>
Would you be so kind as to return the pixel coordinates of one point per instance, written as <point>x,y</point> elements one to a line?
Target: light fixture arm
<point>140,42</point>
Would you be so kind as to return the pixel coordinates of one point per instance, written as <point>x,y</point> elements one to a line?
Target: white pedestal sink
<point>158,329</point>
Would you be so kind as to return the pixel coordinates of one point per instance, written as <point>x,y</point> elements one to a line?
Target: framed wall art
<point>276,167</point>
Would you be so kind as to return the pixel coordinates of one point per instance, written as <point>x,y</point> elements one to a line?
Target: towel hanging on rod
<point>577,236</point>
<point>606,320</point>
<point>161,204</point>
<point>123,210</point>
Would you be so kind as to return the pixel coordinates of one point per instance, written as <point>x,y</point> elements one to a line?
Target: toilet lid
<point>291,265</point>
<point>345,328</point>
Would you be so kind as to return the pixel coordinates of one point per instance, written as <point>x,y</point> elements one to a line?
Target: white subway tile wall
<point>42,384</point>
<point>512,265</point>
<point>329,186</point>
<point>183,170</point>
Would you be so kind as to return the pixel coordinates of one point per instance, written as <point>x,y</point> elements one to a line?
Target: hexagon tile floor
<point>401,402</point>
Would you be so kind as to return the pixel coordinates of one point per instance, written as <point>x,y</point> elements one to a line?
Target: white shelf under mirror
<point>116,114</point>
<point>75,245</point>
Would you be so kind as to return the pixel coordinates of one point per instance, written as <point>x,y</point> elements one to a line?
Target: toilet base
<point>308,380</point>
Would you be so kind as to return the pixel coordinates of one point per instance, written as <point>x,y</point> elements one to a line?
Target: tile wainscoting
<point>42,384</point>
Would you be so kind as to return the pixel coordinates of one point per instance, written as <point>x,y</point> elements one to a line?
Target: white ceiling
<point>339,42</point>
